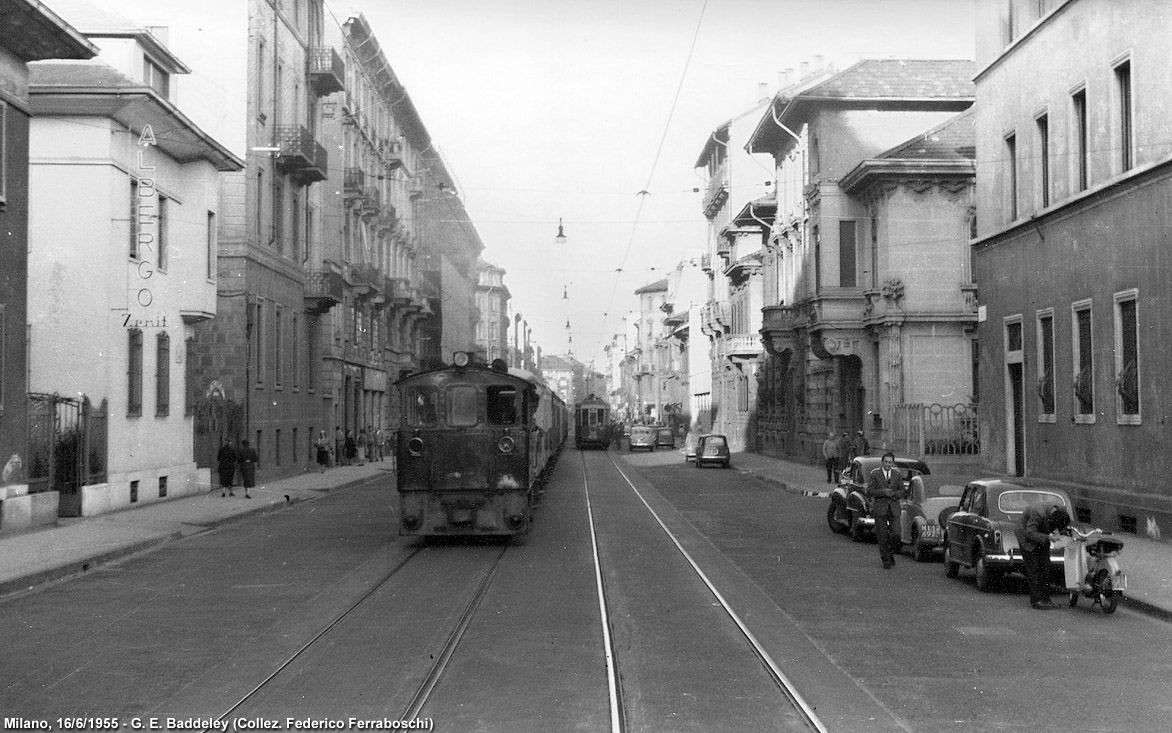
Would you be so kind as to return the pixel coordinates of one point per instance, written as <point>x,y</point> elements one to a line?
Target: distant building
<point>125,211</point>
<point>492,308</point>
<point>564,376</point>
<point>1074,179</point>
<point>650,358</point>
<point>30,32</point>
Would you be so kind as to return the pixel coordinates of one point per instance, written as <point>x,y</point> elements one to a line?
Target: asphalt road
<point>318,611</point>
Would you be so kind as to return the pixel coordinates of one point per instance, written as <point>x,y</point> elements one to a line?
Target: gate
<point>67,447</point>
<point>934,430</point>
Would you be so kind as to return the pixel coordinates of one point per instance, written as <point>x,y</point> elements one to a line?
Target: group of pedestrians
<point>839,451</point>
<point>349,449</point>
<point>229,460</point>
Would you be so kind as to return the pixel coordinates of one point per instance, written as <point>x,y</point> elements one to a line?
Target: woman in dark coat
<point>226,462</point>
<point>248,460</point>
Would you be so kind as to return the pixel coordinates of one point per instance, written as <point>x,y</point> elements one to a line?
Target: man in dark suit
<point>1039,525</point>
<point>885,489</point>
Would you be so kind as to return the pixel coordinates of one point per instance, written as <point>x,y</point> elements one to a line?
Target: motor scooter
<point>1091,564</point>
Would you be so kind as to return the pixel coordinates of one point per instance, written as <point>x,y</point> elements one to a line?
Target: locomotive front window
<point>502,405</point>
<point>462,403</point>
<point>421,406</point>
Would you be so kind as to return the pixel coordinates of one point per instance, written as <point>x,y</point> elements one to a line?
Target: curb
<point>83,566</point>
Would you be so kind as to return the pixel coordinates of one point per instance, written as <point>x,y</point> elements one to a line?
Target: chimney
<point>805,66</point>
<point>762,91</point>
<point>819,64</point>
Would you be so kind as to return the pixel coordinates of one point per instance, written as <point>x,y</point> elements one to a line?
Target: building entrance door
<point>1017,428</point>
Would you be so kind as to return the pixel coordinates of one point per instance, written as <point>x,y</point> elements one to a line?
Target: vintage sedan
<point>928,496</point>
<point>713,448</point>
<point>665,438</point>
<point>980,533</point>
<point>641,437</point>
<point>850,509</point>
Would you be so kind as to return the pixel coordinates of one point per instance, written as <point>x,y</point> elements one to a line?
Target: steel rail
<point>783,682</point>
<point>617,719</point>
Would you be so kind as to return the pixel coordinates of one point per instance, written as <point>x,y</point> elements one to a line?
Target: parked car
<point>690,442</point>
<point>980,533</point>
<point>850,509</point>
<point>919,523</point>
<point>665,438</point>
<point>713,448</point>
<point>641,437</point>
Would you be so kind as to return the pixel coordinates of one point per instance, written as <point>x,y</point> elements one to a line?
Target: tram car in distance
<point>474,448</point>
<point>592,424</point>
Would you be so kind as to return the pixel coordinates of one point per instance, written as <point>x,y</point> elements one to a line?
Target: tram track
<point>802,709</point>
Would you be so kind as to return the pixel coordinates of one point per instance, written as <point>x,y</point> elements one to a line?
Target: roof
<point>721,133</point>
<point>908,84</point>
<point>955,139</point>
<point>655,287</point>
<point>98,22</point>
<point>759,212</point>
<point>91,88</point>
<point>33,32</point>
<point>946,151</point>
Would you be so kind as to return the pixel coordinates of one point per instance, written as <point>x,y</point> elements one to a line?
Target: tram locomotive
<point>592,424</point>
<point>475,445</point>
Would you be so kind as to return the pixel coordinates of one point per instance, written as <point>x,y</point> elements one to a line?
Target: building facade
<point>492,307</point>
<point>126,271</point>
<point>1074,180</point>
<point>30,32</point>
<point>826,346</point>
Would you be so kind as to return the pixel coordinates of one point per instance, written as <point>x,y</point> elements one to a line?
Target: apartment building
<point>492,307</point>
<point>1074,176</point>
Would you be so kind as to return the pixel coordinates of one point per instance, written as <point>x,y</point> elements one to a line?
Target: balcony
<point>779,327</point>
<point>742,347</point>
<point>415,187</point>
<point>323,290</point>
<point>365,276</point>
<point>327,71</point>
<point>354,184</point>
<point>400,290</point>
<point>301,156</point>
<point>392,152</point>
<point>717,191</point>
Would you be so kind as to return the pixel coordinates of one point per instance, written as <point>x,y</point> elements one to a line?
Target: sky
<point>549,110</point>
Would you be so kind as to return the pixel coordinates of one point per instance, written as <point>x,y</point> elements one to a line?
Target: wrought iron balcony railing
<point>327,71</point>
<point>300,154</point>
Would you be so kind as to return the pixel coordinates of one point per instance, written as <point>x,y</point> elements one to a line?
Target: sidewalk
<point>1148,563</point>
<point>80,544</point>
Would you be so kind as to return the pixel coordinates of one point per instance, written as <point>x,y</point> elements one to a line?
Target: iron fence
<point>67,446</point>
<point>935,429</point>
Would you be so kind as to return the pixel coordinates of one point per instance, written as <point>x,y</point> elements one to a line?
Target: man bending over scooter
<point>1039,526</point>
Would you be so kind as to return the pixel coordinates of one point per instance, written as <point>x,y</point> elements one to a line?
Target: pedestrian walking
<point>885,489</point>
<point>1036,529</point>
<point>830,454</point>
<point>351,447</point>
<point>378,442</point>
<point>862,447</point>
<point>248,460</point>
<point>226,466</point>
<point>322,446</point>
<point>339,446</point>
<point>363,445</point>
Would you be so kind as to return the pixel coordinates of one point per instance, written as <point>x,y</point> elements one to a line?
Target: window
<point>134,492</point>
<point>190,382</point>
<point>258,212</point>
<point>1011,157</point>
<point>296,332</point>
<point>295,233</point>
<point>162,374</point>
<point>156,78</point>
<point>278,215</point>
<point>134,373</point>
<point>1082,362</point>
<point>293,447</point>
<point>502,405</point>
<point>162,487</point>
<point>211,240</point>
<point>260,78</point>
<point>847,258</point>
<point>817,261</point>
<point>1127,358</point>
<point>278,348</point>
<point>975,365</point>
<point>161,231</point>
<point>258,340</point>
<point>1123,93</point>
<point>277,447</point>
<point>134,225</point>
<point>3,357</point>
<point>3,153</point>
<point>874,250</point>
<point>1043,123</point>
<point>1079,110</point>
<point>461,405</point>
<point>421,403</point>
<point>1046,366</point>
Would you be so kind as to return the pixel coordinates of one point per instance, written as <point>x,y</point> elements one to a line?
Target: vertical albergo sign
<point>146,240</point>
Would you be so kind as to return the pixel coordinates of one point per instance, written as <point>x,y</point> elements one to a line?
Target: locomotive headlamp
<point>506,444</point>
<point>460,358</point>
<point>415,446</point>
